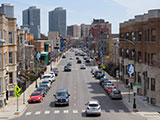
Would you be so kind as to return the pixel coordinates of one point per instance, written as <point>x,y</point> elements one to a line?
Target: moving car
<point>77,58</point>
<point>69,64</point>
<point>115,94</point>
<point>103,80</point>
<point>79,61</point>
<point>35,97</point>
<point>71,58</point>
<point>82,67</point>
<point>67,68</point>
<point>93,107</point>
<point>41,90</point>
<point>87,61</point>
<point>63,56</point>
<point>62,97</point>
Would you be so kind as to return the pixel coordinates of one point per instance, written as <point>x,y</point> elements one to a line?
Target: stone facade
<point>140,41</point>
<point>8,61</point>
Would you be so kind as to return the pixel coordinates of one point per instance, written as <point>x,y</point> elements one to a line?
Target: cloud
<point>136,7</point>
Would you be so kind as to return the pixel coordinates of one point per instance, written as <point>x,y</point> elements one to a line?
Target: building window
<point>153,32</point>
<point>139,77</point>
<point>10,77</point>
<point>145,57</point>
<point>4,35</point>
<point>10,37</point>
<point>132,36</point>
<point>153,101</point>
<point>0,34</point>
<point>139,36</point>
<point>5,59</point>
<point>127,35</point>
<point>148,83</point>
<point>0,60</point>
<point>15,37</point>
<point>127,53</point>
<point>139,57</point>
<point>133,53</point>
<point>122,35</point>
<point>10,57</point>
<point>145,35</point>
<point>21,39</point>
<point>0,84</point>
<point>153,58</point>
<point>153,84</point>
<point>148,35</point>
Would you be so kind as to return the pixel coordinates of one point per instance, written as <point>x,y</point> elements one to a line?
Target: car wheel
<point>99,114</point>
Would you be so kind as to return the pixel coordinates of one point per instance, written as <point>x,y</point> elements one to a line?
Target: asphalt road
<point>82,88</point>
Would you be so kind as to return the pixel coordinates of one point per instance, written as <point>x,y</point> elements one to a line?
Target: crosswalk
<point>47,112</point>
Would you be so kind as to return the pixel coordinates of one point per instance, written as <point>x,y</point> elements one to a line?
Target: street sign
<point>134,90</point>
<point>17,95</point>
<point>130,70</point>
<point>17,89</point>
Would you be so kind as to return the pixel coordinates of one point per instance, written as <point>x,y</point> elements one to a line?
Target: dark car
<point>45,86</point>
<point>67,68</point>
<point>55,70</point>
<point>87,61</point>
<point>62,97</point>
<point>96,72</point>
<point>103,80</point>
<point>41,90</point>
<point>115,94</point>
<point>79,61</point>
<point>69,64</point>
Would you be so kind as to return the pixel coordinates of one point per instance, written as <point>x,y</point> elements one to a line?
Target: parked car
<point>82,67</point>
<point>110,88</point>
<point>55,70</point>
<point>96,72</point>
<point>49,77</point>
<point>79,61</point>
<point>106,86</point>
<point>41,90</point>
<point>44,86</point>
<point>115,94</point>
<point>47,82</point>
<point>93,107</point>
<point>67,68</point>
<point>99,75</point>
<point>35,97</point>
<point>103,80</point>
<point>93,70</point>
<point>62,97</point>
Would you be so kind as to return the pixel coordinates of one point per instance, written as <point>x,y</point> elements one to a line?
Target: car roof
<point>47,75</point>
<point>45,80</point>
<point>35,92</point>
<point>61,90</point>
<point>93,102</point>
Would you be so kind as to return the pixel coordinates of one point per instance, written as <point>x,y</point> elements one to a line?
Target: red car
<point>111,87</point>
<point>77,58</point>
<point>35,97</point>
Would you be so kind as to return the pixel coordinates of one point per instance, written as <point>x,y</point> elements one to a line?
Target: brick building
<point>140,40</point>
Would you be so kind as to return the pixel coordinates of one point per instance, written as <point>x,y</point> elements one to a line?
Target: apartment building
<point>8,53</point>
<point>140,41</point>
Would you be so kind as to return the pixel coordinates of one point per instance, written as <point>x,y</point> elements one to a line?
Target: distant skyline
<point>83,11</point>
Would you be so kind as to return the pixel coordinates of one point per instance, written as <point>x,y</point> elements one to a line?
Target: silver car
<point>93,108</point>
<point>115,94</point>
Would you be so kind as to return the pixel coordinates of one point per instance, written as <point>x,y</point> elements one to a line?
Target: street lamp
<point>133,43</point>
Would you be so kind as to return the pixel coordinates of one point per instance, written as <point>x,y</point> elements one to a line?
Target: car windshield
<point>62,94</point>
<point>110,84</point>
<point>39,89</point>
<point>116,92</point>
<point>35,94</point>
<point>46,77</point>
<point>45,82</point>
<point>42,85</point>
<point>93,105</point>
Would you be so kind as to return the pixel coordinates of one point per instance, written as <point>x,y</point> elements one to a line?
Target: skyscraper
<point>31,18</point>
<point>57,21</point>
<point>7,9</point>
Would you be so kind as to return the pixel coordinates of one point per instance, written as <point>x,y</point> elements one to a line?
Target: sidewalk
<point>10,110</point>
<point>142,106</point>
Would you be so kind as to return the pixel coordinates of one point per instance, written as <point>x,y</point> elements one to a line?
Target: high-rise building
<point>74,31</point>
<point>57,21</point>
<point>7,9</point>
<point>31,18</point>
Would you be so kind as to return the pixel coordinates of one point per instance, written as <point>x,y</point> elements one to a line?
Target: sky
<point>83,11</point>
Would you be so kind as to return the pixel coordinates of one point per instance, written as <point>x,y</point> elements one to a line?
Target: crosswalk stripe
<point>75,111</point>
<point>112,111</point>
<point>121,110</point>
<point>56,111</point>
<point>47,112</point>
<point>38,112</point>
<point>28,113</point>
<point>65,111</point>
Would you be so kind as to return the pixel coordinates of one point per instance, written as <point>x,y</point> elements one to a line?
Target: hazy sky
<point>83,11</point>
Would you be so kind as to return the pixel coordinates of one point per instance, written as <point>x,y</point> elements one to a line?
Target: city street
<point>82,87</point>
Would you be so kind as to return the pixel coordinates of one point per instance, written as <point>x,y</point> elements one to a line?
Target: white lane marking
<point>83,111</point>
<point>66,111</point>
<point>38,112</point>
<point>75,111</point>
<point>28,113</point>
<point>112,111</point>
<point>47,112</point>
<point>121,110</point>
<point>56,111</point>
